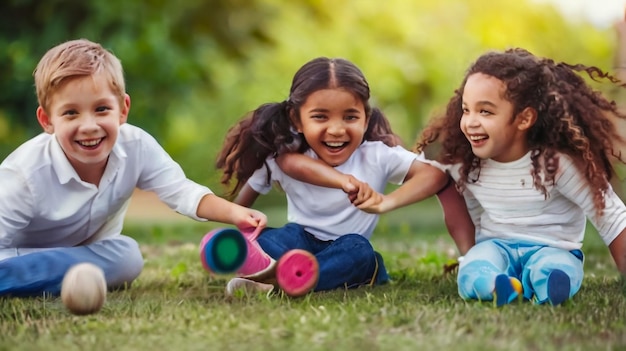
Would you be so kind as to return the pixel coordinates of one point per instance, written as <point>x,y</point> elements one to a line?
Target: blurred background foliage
<point>194,67</point>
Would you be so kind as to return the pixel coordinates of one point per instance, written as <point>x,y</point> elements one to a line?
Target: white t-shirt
<point>327,213</point>
<point>43,202</point>
<point>504,204</point>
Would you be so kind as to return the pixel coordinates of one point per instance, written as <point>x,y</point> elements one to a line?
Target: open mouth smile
<point>93,143</point>
<point>335,144</point>
<point>477,139</point>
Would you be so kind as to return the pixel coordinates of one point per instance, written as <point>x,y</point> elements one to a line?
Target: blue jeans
<point>33,271</point>
<point>528,262</point>
<point>347,262</point>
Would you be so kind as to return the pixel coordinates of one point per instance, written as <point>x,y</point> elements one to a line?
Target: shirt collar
<point>60,163</point>
<point>116,159</point>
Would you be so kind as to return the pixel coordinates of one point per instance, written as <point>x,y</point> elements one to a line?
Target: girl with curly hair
<point>530,145</point>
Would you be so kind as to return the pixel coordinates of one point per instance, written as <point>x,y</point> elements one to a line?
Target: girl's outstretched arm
<point>422,181</point>
<point>217,209</point>
<point>618,251</point>
<point>316,172</point>
<point>457,218</point>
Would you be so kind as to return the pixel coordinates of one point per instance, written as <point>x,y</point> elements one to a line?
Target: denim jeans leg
<point>349,261</point>
<point>36,271</point>
<point>382,277</point>
<point>277,241</point>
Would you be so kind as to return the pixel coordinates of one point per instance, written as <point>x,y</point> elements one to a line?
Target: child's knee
<point>129,265</point>
<point>134,263</point>
<point>476,280</point>
<point>479,289</point>
<point>359,242</point>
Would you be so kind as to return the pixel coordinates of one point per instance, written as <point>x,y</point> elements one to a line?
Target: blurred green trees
<point>165,49</point>
<point>194,67</point>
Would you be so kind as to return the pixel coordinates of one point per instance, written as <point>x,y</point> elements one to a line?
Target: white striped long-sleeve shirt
<point>504,204</point>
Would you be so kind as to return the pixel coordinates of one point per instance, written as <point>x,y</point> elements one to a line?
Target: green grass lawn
<point>175,305</point>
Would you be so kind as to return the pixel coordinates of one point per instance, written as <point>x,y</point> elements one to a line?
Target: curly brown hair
<point>269,130</point>
<point>572,119</point>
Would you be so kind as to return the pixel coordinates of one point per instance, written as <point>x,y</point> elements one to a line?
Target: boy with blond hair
<point>64,193</point>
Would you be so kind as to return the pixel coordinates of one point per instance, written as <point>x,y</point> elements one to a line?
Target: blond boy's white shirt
<point>43,202</point>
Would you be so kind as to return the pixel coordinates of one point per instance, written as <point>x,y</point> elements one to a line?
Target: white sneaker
<point>247,286</point>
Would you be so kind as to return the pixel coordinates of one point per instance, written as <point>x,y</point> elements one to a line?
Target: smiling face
<point>333,122</point>
<point>85,115</point>
<point>488,122</point>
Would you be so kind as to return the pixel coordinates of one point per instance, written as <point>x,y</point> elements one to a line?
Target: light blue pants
<point>528,262</point>
<point>34,271</point>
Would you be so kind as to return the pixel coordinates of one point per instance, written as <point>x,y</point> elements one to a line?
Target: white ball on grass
<point>84,289</point>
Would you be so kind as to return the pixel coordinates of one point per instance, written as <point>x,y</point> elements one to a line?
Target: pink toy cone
<point>297,272</point>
